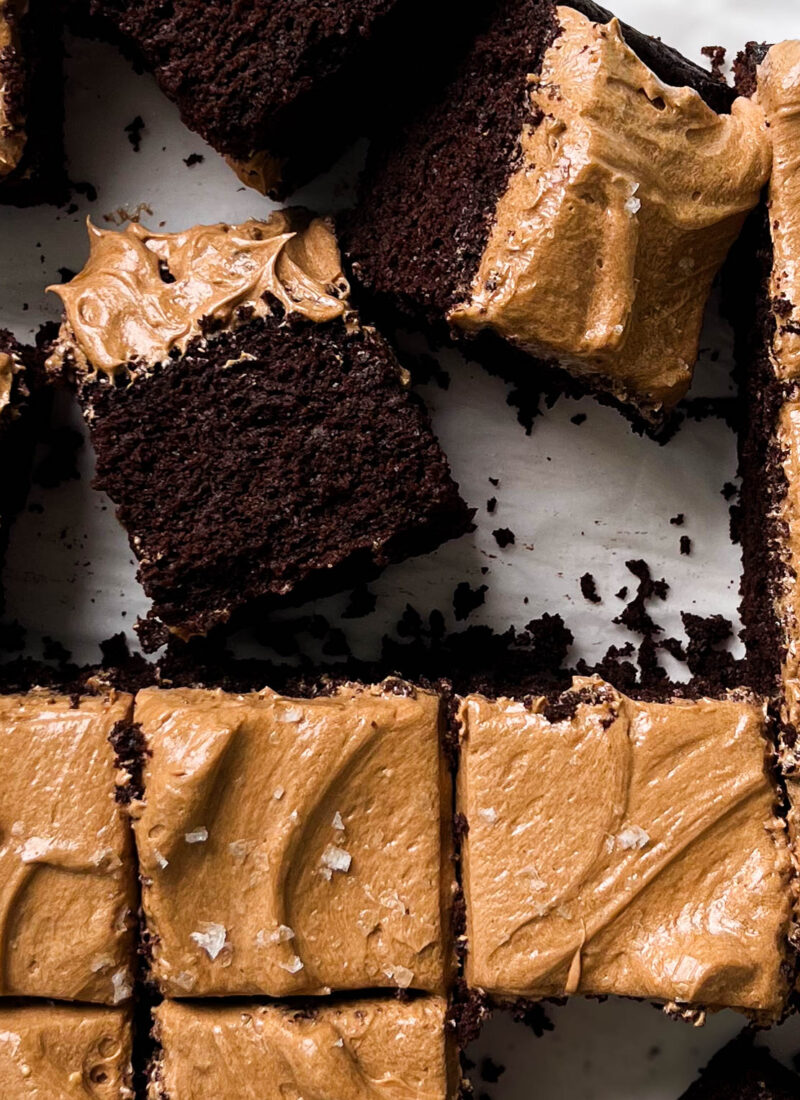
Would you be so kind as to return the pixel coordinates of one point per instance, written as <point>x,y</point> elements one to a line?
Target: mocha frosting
<point>8,369</point>
<point>12,132</point>
<point>788,596</point>
<point>260,171</point>
<point>362,1050</point>
<point>68,1052</point>
<point>630,849</point>
<point>294,846</point>
<point>626,199</point>
<point>779,95</point>
<point>143,295</point>
<point>67,883</point>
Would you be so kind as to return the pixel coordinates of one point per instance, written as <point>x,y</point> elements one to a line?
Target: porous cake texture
<point>258,441</point>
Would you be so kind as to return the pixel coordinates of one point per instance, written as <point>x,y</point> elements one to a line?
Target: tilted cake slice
<point>258,441</point>
<point>565,202</point>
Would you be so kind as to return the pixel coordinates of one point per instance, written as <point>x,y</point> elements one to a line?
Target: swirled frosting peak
<point>142,295</point>
<point>627,196</point>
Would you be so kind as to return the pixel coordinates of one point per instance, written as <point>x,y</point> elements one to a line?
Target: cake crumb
<point>686,544</point>
<point>578,418</point>
<point>589,588</point>
<point>491,504</point>
<point>134,131</point>
<point>192,159</point>
<point>678,521</point>
<point>504,537</point>
<point>467,599</point>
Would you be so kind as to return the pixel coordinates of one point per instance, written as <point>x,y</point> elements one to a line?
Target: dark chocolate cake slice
<point>258,441</point>
<point>281,86</point>
<point>16,432</point>
<point>564,202</point>
<point>31,103</point>
<point>742,1071</point>
<point>763,298</point>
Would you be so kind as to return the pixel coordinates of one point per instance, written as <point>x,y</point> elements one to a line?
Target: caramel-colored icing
<point>120,310</point>
<point>293,846</point>
<point>67,880</point>
<point>626,199</point>
<point>65,1052</point>
<point>12,132</point>
<point>779,95</point>
<point>8,368</point>
<point>358,1050</point>
<point>631,849</point>
<point>261,171</point>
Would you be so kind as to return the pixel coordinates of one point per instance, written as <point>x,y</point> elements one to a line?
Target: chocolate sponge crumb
<point>707,655</point>
<point>466,599</point>
<point>589,588</point>
<point>134,131</point>
<point>491,504</point>
<point>678,521</point>
<point>686,544</point>
<point>504,537</point>
<point>192,159</point>
<point>637,619</point>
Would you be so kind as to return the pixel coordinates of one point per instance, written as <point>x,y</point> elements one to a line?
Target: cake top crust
<point>12,130</point>
<point>66,866</point>
<point>778,92</point>
<point>381,1049</point>
<point>294,846</point>
<point>143,295</point>
<point>627,197</point>
<point>620,846</point>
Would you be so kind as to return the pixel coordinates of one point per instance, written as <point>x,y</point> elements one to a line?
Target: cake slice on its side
<point>65,1051</point>
<point>623,846</point>
<point>567,201</point>
<point>295,846</point>
<point>742,1071</point>
<point>347,1049</point>
<point>31,103</point>
<point>16,432</point>
<point>258,441</point>
<point>281,87</point>
<point>763,293</point>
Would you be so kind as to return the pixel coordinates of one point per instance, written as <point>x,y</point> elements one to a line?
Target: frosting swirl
<point>142,295</point>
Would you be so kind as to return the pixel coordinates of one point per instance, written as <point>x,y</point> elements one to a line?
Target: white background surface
<point>579,498</point>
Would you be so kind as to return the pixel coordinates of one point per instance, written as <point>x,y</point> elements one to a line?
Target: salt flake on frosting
<point>121,985</point>
<point>337,822</point>
<point>633,837</point>
<point>335,859</point>
<point>197,836</point>
<point>36,847</point>
<point>400,975</point>
<point>488,814</point>
<point>293,965</point>
<point>211,939</point>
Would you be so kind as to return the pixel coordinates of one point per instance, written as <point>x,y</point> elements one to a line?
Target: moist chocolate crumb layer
<point>282,459</point>
<point>743,1071</point>
<point>16,434</point>
<point>295,78</point>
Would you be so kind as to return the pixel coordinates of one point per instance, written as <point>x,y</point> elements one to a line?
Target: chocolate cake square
<point>402,1050</point>
<point>67,876</point>
<point>31,103</point>
<point>281,87</point>
<point>258,441</point>
<point>743,1071</point>
<point>561,207</point>
<point>16,432</point>
<point>624,846</point>
<point>294,846</point>
<point>64,1052</point>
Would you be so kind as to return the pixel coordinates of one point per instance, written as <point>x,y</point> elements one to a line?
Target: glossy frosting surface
<point>67,880</point>
<point>142,295</point>
<point>627,196</point>
<point>65,1052</point>
<point>361,1050</point>
<point>631,849</point>
<point>293,846</point>
<point>779,95</point>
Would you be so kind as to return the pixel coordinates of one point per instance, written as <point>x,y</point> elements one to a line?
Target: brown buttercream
<point>293,846</point>
<point>627,197</point>
<point>788,596</point>
<point>362,1050</point>
<point>65,1052</point>
<point>779,95</point>
<point>8,368</point>
<point>630,849</point>
<point>12,131</point>
<point>120,310</point>
<point>261,171</point>
<point>67,879</point>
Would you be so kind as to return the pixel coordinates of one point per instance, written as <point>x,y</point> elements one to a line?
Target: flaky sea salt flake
<point>211,939</point>
<point>632,837</point>
<point>336,859</point>
<point>197,836</point>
